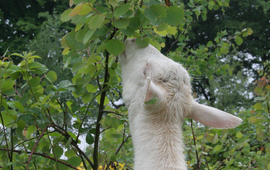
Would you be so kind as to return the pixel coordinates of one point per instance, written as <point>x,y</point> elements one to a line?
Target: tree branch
<point>36,146</point>
<point>197,156</point>
<point>41,154</point>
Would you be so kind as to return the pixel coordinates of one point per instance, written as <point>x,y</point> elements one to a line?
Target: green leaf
<point>238,40</point>
<point>129,31</point>
<point>121,10</point>
<point>30,131</point>
<point>86,98</point>
<point>74,161</point>
<point>34,82</point>
<point>252,119</point>
<point>174,15</point>
<point>89,138</point>
<point>88,35</point>
<point>154,12</point>
<point>72,43</point>
<point>19,55</point>
<point>96,21</point>
<point>7,119</point>
<point>258,91</point>
<point>142,42</point>
<point>91,88</point>
<point>19,106</point>
<point>224,49</point>
<point>106,100</point>
<point>65,16</point>
<point>211,5</point>
<point>58,151</point>
<point>115,47</point>
<point>7,84</point>
<point>70,153</point>
<point>258,106</point>
<point>51,76</point>
<point>152,101</point>
<point>239,135</point>
<point>218,147</point>
<point>121,23</point>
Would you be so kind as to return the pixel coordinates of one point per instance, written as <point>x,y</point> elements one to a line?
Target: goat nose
<point>133,40</point>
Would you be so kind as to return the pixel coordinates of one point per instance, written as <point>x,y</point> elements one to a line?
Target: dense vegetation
<point>69,90</point>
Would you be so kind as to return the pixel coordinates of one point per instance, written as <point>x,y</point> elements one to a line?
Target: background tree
<point>39,126</point>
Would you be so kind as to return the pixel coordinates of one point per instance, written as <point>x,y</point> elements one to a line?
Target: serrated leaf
<point>96,21</point>
<point>239,135</point>
<point>121,23</point>
<point>115,47</point>
<point>51,76</point>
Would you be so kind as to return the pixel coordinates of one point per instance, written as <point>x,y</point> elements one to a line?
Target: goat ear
<point>152,91</point>
<point>213,117</point>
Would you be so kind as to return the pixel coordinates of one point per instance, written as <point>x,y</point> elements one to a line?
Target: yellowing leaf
<point>258,106</point>
<point>171,30</point>
<point>239,135</point>
<point>66,51</point>
<point>252,119</point>
<point>76,10</point>
<point>162,33</point>
<point>85,9</point>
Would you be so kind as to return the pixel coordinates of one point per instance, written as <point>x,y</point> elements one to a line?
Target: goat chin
<point>157,92</point>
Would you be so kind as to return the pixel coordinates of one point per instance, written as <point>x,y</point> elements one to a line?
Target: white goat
<point>156,128</point>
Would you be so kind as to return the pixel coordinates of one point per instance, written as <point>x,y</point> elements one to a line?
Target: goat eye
<point>164,80</point>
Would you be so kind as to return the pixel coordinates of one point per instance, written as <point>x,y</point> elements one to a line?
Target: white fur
<point>156,128</point>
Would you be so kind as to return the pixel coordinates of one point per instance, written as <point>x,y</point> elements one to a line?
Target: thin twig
<point>41,154</point>
<point>123,142</point>
<point>197,156</point>
<point>2,121</point>
<point>29,159</point>
<point>179,37</point>
<point>200,159</point>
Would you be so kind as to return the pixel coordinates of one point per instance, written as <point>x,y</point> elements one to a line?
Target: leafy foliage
<point>41,129</point>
